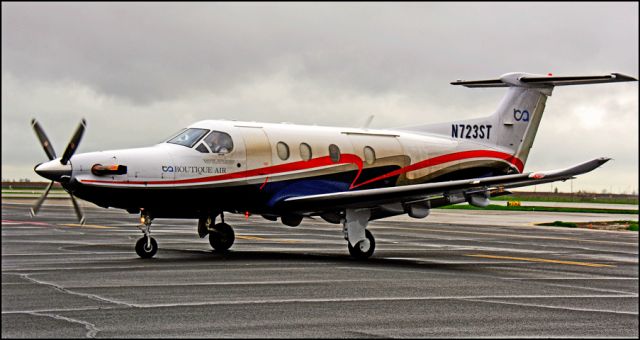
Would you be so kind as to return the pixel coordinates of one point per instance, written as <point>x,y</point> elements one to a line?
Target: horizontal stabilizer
<point>480,83</point>
<point>534,80</point>
<point>577,80</point>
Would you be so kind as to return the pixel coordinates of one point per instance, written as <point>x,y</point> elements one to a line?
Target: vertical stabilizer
<point>513,126</point>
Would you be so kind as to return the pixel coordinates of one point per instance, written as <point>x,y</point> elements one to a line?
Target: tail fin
<point>514,124</point>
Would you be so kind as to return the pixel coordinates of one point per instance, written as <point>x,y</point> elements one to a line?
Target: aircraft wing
<point>371,198</point>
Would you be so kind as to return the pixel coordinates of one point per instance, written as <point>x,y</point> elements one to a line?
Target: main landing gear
<point>221,235</point>
<point>147,246</point>
<point>360,241</point>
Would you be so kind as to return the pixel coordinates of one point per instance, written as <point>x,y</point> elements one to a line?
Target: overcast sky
<point>139,72</point>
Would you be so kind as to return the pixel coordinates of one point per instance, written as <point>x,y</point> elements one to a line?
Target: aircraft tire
<point>222,237</point>
<point>359,254</point>
<point>141,248</point>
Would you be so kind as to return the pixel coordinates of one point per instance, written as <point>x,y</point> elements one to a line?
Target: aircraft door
<point>258,148</point>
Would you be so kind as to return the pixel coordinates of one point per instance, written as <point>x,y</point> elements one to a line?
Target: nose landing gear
<point>146,247</point>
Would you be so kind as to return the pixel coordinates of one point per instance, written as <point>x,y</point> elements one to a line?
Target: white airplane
<point>346,176</point>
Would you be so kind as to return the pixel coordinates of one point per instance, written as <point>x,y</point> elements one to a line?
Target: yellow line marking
<point>257,238</point>
<point>533,259</point>
<point>251,238</point>
<point>87,226</point>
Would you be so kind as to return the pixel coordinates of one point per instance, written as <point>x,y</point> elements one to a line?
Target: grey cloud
<point>139,71</point>
<point>145,52</point>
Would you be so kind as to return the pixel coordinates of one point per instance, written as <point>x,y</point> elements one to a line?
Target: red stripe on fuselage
<point>450,158</point>
<point>324,161</point>
<point>288,167</point>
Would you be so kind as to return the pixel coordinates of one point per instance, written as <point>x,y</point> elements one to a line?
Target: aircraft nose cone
<point>54,170</point>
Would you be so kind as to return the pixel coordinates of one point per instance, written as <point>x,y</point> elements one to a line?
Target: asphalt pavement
<point>452,274</point>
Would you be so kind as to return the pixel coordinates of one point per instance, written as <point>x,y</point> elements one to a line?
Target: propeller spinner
<point>57,170</point>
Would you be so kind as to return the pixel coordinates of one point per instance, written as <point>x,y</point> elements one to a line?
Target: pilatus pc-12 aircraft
<point>346,176</point>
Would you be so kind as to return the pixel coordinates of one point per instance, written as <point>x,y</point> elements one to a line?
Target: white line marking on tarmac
<point>571,278</point>
<point>555,307</point>
<point>233,283</point>
<point>59,310</point>
<point>510,235</point>
<point>191,267</point>
<point>373,299</point>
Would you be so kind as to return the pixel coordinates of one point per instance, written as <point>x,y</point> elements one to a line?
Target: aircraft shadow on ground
<point>181,257</point>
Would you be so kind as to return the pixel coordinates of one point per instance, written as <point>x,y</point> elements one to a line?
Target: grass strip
<point>575,199</point>
<point>546,209</point>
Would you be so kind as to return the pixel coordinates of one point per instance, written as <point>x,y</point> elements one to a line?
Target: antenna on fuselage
<point>368,122</point>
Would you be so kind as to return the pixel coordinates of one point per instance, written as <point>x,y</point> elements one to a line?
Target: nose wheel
<point>147,246</point>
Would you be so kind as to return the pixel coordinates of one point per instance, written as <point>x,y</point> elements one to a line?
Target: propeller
<point>44,140</point>
<point>57,170</point>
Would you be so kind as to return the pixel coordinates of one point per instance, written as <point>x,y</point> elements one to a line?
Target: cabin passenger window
<point>283,150</point>
<point>305,151</point>
<point>219,142</point>
<point>369,155</point>
<point>334,153</point>
<point>202,148</point>
<point>188,137</point>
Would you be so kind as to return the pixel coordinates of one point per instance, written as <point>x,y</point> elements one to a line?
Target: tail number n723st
<point>476,131</point>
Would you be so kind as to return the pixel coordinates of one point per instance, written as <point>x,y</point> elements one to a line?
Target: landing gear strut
<point>147,246</point>
<point>360,241</point>
<point>221,235</point>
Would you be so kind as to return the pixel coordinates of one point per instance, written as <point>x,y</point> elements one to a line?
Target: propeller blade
<point>76,207</point>
<point>44,140</point>
<point>73,143</point>
<point>36,207</point>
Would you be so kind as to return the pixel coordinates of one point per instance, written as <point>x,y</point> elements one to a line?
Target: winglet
<point>571,171</point>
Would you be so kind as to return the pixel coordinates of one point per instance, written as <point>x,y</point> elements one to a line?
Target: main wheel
<point>221,237</point>
<point>363,249</point>
<point>146,250</point>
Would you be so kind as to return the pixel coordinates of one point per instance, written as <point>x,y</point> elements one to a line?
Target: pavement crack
<point>67,291</point>
<point>92,330</point>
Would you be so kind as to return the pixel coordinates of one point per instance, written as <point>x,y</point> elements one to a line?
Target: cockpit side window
<point>219,142</point>
<point>188,137</point>
<point>202,148</point>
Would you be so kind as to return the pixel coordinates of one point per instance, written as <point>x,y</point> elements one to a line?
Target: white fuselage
<point>264,157</point>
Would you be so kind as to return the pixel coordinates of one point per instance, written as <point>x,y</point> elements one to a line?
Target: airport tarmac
<point>453,274</point>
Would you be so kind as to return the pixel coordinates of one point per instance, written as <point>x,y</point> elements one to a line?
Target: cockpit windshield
<point>188,137</point>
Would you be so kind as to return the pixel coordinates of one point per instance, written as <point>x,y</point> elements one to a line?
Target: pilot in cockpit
<point>219,142</point>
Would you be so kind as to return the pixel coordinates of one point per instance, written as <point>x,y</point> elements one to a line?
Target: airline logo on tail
<point>521,115</point>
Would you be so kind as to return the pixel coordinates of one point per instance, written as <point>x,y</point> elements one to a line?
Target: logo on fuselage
<point>194,169</point>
